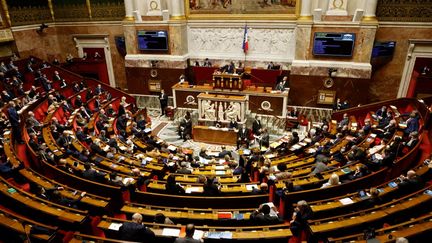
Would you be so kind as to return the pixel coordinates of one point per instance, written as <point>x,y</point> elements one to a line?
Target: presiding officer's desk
<point>260,100</point>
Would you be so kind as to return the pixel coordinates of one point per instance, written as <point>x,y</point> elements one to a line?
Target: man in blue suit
<point>14,120</point>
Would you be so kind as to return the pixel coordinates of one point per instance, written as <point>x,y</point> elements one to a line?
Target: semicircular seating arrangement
<point>88,161</point>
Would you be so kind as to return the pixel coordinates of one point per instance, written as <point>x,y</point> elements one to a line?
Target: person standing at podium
<point>230,68</point>
<point>163,99</point>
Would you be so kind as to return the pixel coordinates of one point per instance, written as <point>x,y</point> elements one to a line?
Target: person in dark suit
<point>96,149</point>
<point>185,128</point>
<point>78,102</point>
<point>56,76</point>
<point>207,63</point>
<point>412,124</point>
<point>190,230</point>
<point>262,216</point>
<point>172,187</point>
<point>283,84</point>
<point>210,187</point>
<point>98,90</point>
<point>256,126</point>
<point>233,124</point>
<point>121,122</point>
<point>91,174</point>
<point>381,113</point>
<point>230,68</point>
<point>409,183</point>
<point>163,99</point>
<point>302,213</point>
<point>242,136</point>
<point>136,231</point>
<point>265,138</point>
<point>14,121</point>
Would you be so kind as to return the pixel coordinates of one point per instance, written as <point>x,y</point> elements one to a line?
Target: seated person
<point>265,215</point>
<point>211,188</point>
<point>91,174</point>
<point>136,231</point>
<point>410,182</point>
<point>302,213</point>
<point>333,181</point>
<point>172,187</point>
<point>190,230</point>
<point>412,123</point>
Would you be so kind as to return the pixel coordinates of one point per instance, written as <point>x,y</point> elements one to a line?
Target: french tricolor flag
<point>245,40</point>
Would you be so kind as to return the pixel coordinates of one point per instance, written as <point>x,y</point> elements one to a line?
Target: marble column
<point>129,8</point>
<point>370,10</point>
<point>177,9</point>
<point>306,10</point>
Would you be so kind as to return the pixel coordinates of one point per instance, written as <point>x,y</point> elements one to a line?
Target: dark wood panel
<point>257,102</point>
<point>137,79</point>
<point>304,90</point>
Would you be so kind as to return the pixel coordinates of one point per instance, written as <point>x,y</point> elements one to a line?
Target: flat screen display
<point>153,40</point>
<point>383,48</point>
<point>333,44</point>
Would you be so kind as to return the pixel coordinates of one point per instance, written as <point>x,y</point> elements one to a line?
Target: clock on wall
<point>337,7</point>
<point>154,5</point>
<point>338,4</point>
<point>154,8</point>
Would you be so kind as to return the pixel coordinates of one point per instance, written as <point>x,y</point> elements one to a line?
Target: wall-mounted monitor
<point>153,40</point>
<point>333,44</point>
<point>383,48</point>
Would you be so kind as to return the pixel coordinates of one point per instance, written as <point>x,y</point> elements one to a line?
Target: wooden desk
<point>216,136</point>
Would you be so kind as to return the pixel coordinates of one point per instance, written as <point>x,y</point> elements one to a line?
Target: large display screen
<point>153,40</point>
<point>333,44</point>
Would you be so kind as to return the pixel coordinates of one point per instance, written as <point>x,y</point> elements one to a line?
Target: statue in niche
<point>220,112</point>
<point>208,110</point>
<point>233,111</point>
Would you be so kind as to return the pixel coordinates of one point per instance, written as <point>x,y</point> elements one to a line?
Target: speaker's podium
<point>228,81</point>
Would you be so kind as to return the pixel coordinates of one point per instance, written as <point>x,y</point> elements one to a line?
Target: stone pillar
<point>370,10</point>
<point>306,10</point>
<point>177,9</point>
<point>129,8</point>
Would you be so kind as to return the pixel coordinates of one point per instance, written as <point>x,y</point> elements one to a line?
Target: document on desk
<point>346,201</point>
<point>192,189</point>
<point>218,235</point>
<point>115,226</point>
<point>171,232</point>
<point>198,234</point>
<point>220,172</point>
<point>251,187</point>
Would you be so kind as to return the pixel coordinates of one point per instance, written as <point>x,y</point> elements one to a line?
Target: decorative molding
<point>404,10</point>
<point>6,35</point>
<point>265,44</point>
<point>320,68</point>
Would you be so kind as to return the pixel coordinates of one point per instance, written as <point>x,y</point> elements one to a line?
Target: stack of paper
<point>171,232</point>
<point>192,189</point>
<point>115,226</point>
<point>346,201</point>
